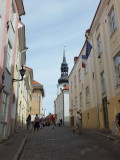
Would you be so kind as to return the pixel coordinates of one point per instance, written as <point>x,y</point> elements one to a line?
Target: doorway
<point>105,112</point>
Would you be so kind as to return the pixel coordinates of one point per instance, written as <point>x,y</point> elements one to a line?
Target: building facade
<point>61,103</point>
<point>10,12</point>
<point>37,100</point>
<point>61,106</point>
<point>95,89</point>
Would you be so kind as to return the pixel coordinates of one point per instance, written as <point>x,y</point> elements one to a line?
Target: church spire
<point>64,58</point>
<point>64,70</point>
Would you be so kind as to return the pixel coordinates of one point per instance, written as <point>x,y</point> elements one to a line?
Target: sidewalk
<point>105,134</point>
<point>9,148</point>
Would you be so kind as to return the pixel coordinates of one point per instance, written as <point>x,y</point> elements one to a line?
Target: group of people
<point>39,123</point>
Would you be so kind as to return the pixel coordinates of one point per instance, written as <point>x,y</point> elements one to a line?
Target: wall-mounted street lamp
<point>22,73</point>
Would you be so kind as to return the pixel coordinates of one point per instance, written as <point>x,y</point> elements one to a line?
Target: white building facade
<point>61,103</point>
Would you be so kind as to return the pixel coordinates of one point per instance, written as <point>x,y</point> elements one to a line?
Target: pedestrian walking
<point>36,122</point>
<point>52,121</point>
<point>28,120</point>
<point>78,123</point>
<point>59,123</point>
<point>118,121</point>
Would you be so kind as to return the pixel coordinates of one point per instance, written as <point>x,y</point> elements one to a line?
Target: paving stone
<point>62,144</point>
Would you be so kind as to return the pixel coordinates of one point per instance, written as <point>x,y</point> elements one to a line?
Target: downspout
<point>39,104</point>
<point>63,107</point>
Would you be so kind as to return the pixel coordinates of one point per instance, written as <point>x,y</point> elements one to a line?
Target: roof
<point>95,14</point>
<point>89,31</point>
<point>36,83</point>
<point>20,7</point>
<point>28,67</point>
<point>38,86</point>
<point>66,87</point>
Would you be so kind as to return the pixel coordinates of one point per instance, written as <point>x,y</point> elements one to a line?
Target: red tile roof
<point>28,68</point>
<point>66,88</point>
<point>36,83</point>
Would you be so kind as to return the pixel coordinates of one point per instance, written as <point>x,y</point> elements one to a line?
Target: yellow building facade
<point>37,100</point>
<point>96,89</point>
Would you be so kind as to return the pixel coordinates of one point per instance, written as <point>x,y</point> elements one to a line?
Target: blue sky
<point>51,25</point>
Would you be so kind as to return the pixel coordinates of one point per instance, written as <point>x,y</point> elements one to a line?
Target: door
<point>4,115</point>
<point>105,112</point>
<point>72,120</point>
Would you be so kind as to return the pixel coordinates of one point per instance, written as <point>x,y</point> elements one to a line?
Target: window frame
<point>112,20</point>
<point>103,86</point>
<point>9,56</point>
<point>99,44</point>
<point>81,100</point>
<point>117,69</point>
<point>80,75</point>
<point>87,94</point>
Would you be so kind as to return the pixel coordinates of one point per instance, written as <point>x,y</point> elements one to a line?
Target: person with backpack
<point>36,122</point>
<point>118,121</point>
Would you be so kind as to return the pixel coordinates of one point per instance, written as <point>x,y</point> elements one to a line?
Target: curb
<point>106,136</point>
<point>17,154</point>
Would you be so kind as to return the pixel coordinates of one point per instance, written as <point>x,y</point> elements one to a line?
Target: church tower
<point>63,80</point>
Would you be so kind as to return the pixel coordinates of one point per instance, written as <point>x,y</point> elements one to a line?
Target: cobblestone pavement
<point>9,148</point>
<point>62,144</point>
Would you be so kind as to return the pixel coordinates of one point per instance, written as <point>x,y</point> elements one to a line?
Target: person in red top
<point>52,118</point>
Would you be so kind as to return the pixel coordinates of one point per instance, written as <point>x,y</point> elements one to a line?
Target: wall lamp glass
<point>22,73</point>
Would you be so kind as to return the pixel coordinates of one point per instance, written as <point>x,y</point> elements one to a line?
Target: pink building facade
<point>10,12</point>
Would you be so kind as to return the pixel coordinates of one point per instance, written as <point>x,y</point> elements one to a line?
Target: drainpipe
<point>63,107</point>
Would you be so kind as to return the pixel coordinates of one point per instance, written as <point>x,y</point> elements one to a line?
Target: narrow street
<point>62,144</point>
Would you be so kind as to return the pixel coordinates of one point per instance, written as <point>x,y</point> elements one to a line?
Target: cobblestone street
<point>62,144</point>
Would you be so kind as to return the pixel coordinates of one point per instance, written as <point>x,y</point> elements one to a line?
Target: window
<point>88,115</point>
<point>71,86</point>
<point>76,102</point>
<point>112,20</point>
<point>9,57</point>
<point>80,76</point>
<point>13,17</point>
<point>103,82</point>
<point>81,100</point>
<point>99,44</point>
<point>86,68</point>
<point>87,95</point>
<point>117,68</point>
<point>4,108</point>
<point>75,81</point>
<point>72,104</point>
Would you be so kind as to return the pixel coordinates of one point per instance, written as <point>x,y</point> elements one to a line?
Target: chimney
<point>87,33</point>
<point>75,59</point>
